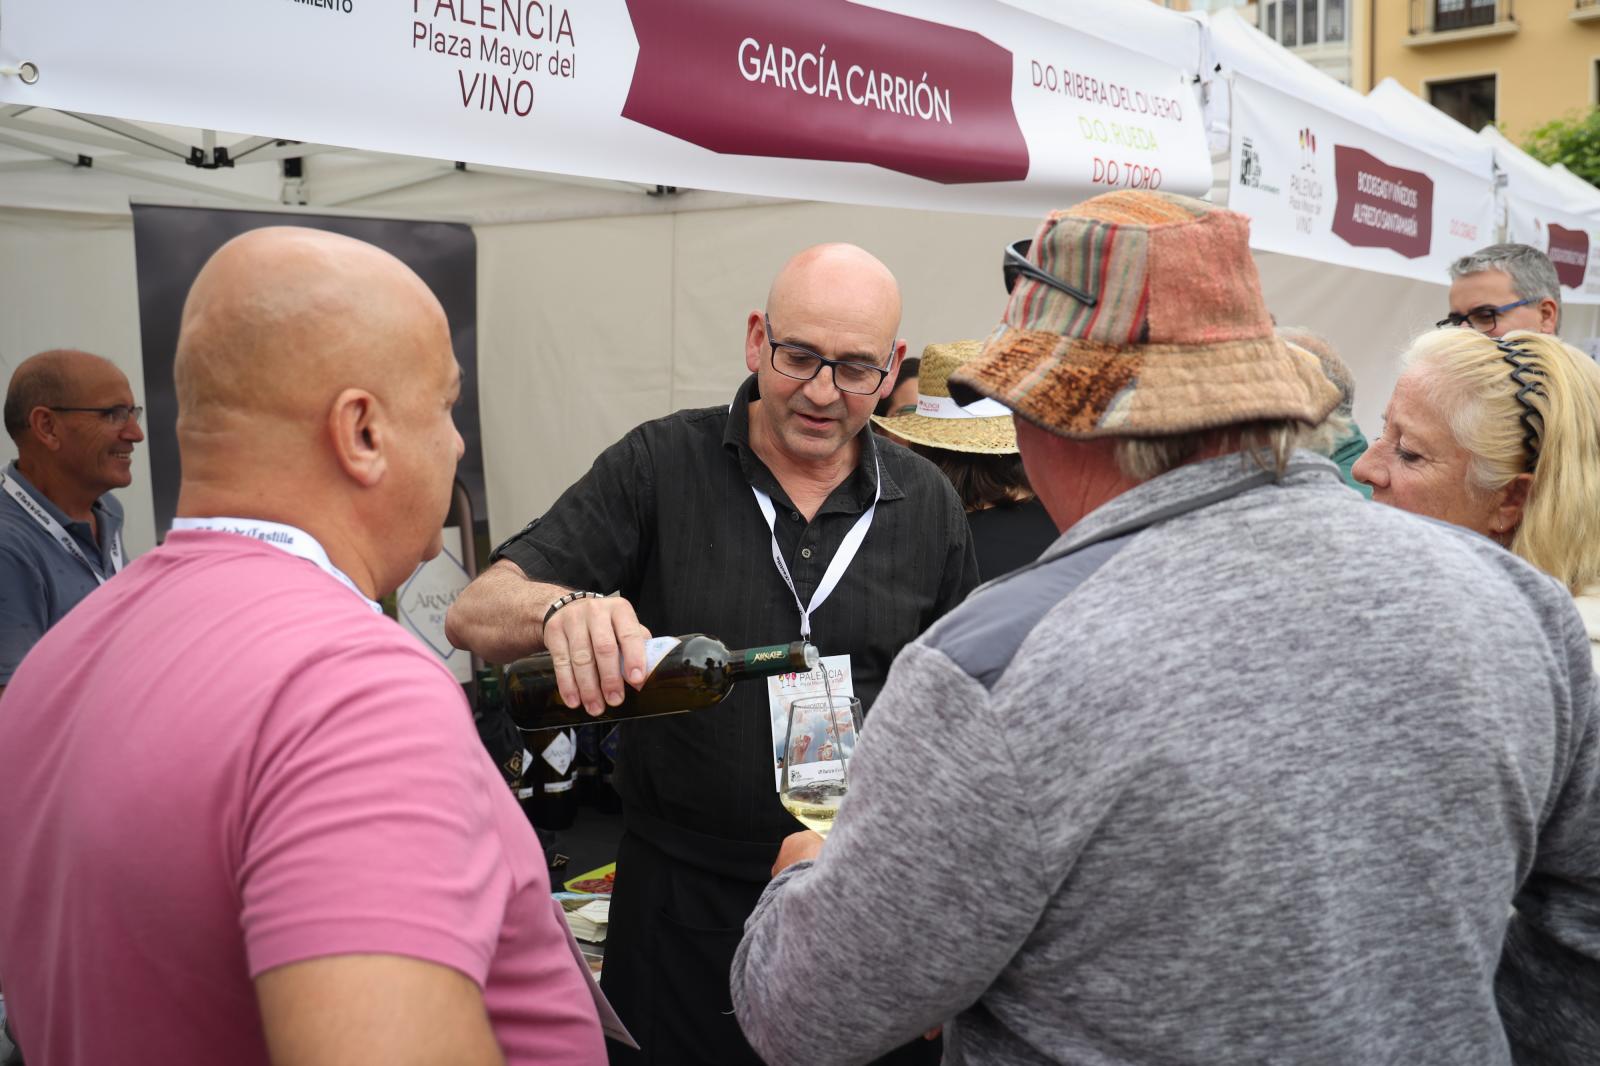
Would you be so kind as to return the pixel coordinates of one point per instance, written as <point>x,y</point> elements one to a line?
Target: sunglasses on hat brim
<point>1016,264</point>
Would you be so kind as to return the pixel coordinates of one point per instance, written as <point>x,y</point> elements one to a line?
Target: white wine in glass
<point>820,740</point>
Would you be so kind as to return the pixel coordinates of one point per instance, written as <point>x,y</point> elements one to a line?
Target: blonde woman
<point>1501,436</point>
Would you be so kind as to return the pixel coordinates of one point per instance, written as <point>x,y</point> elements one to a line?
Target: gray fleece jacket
<point>1238,772</point>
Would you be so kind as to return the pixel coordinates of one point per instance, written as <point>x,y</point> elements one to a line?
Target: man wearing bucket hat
<point>976,448</point>
<point>1131,804</point>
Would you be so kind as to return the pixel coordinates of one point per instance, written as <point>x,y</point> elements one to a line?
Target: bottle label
<point>559,752</point>
<point>758,657</point>
<point>558,786</point>
<point>656,649</point>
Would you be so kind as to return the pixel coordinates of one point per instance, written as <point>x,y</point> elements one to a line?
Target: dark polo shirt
<point>39,581</point>
<point>666,517</point>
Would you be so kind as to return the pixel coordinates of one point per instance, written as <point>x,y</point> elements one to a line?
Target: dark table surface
<point>590,842</point>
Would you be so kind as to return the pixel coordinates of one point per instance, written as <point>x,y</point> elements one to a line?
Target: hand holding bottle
<point>681,674</point>
<point>583,638</point>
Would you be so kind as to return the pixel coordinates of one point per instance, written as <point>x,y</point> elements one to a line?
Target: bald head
<point>315,382</point>
<point>838,302</point>
<point>48,380</point>
<point>837,281</point>
<point>281,319</point>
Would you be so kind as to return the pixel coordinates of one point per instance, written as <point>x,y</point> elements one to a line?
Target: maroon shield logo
<point>1381,206</point>
<point>1569,251</point>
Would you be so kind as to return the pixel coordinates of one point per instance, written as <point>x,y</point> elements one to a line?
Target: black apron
<point>677,914</point>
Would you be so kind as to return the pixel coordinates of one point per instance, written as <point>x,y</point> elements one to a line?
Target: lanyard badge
<point>66,540</point>
<point>290,539</point>
<point>841,559</point>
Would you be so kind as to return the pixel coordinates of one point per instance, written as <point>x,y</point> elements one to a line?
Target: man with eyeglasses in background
<point>684,517</point>
<point>1504,287</point>
<point>74,423</point>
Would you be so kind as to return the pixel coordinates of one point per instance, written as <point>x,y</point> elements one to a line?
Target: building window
<point>1272,21</point>
<point>1460,14</point>
<point>1335,14</point>
<point>1290,24</point>
<point>1308,22</point>
<point>1470,101</point>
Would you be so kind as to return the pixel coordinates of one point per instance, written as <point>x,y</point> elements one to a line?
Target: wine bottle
<point>682,674</point>
<point>500,737</point>
<point>555,802</point>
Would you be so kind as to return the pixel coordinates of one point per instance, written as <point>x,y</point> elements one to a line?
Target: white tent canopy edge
<point>547,242</point>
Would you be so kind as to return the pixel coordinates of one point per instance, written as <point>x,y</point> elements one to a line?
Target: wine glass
<point>818,744</point>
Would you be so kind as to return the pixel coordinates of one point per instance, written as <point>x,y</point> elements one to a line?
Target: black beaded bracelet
<point>571,597</point>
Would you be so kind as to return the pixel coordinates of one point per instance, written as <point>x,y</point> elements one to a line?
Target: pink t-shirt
<point>222,762</point>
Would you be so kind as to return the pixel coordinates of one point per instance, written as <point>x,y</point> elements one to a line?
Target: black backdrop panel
<point>171,244</point>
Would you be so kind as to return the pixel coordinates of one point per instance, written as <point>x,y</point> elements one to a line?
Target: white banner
<point>947,104</point>
<point>1319,186</point>
<point>1572,242</point>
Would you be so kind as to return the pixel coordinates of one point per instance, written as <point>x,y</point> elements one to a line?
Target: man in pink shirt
<point>247,817</point>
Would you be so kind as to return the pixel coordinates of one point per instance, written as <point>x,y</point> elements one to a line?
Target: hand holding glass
<point>820,740</point>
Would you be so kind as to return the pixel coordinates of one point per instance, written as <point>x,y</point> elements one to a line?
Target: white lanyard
<point>841,559</point>
<point>60,535</point>
<point>296,542</point>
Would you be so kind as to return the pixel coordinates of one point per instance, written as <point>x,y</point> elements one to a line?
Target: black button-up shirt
<point>666,517</point>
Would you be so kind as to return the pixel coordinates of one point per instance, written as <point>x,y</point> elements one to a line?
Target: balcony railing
<point>1442,16</point>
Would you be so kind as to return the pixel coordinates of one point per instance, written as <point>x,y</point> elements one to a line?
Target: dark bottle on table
<point>555,800</point>
<point>500,737</point>
<point>515,762</point>
<point>685,673</point>
<point>586,768</point>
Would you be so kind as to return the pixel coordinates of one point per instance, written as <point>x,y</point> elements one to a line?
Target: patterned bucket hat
<point>1139,314</point>
<point>985,427</point>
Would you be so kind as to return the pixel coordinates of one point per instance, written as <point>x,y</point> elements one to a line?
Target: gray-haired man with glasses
<point>1502,288</point>
<point>757,521</point>
<point>74,423</point>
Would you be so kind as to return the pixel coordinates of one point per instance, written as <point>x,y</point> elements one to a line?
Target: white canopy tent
<point>1586,196</point>
<point>1532,180</point>
<point>1370,311</point>
<point>601,303</point>
<point>1525,189</point>
<point>1407,115</point>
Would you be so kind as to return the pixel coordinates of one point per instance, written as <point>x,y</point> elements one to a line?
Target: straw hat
<point>983,427</point>
<point>1173,335</point>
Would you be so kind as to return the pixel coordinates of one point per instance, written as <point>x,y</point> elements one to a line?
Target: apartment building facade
<point>1514,63</point>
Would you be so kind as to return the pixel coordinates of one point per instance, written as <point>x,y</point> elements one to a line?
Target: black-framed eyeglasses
<point>1483,319</point>
<point>1016,264</point>
<point>803,364</point>
<point>117,414</point>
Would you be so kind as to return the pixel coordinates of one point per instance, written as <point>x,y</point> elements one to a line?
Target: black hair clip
<point>1522,370</point>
